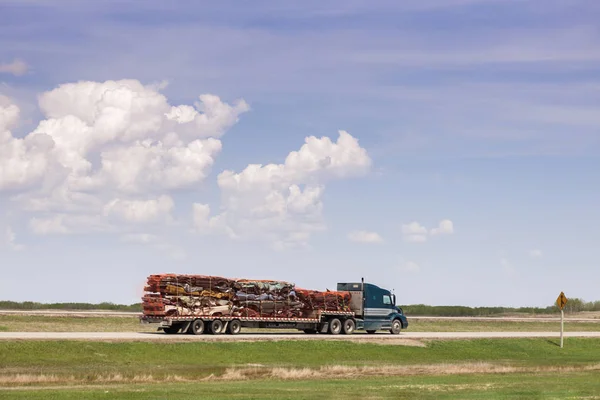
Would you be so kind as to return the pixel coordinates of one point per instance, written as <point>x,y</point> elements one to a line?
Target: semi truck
<point>201,304</point>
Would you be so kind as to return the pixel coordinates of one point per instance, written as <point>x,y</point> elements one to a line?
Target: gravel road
<point>378,337</point>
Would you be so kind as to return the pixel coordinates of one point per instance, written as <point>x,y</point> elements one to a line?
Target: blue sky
<point>480,113</point>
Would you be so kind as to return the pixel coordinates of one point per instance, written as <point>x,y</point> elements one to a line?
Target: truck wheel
<point>335,326</point>
<point>371,331</point>
<point>215,326</point>
<point>396,327</point>
<point>349,326</point>
<point>173,329</point>
<point>196,328</point>
<point>234,327</point>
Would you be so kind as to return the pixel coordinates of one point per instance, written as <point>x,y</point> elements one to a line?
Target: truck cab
<point>375,307</point>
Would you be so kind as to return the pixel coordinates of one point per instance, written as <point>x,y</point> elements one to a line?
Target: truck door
<point>378,308</point>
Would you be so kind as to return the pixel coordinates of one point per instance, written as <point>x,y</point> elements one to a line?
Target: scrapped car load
<point>202,295</point>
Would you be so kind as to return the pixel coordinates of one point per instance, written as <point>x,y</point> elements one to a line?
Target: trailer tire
<point>349,326</point>
<point>173,329</point>
<point>335,326</point>
<point>396,327</point>
<point>196,327</point>
<point>234,327</point>
<point>215,326</point>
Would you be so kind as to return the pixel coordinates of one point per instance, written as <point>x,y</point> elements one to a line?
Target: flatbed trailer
<point>371,308</point>
<point>327,322</point>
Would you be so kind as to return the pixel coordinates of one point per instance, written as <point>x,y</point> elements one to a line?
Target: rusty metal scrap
<point>180,295</point>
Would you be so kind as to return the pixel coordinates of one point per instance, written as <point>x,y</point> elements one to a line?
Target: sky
<point>448,150</point>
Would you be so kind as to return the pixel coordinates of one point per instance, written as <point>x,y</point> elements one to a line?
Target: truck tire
<point>196,327</point>
<point>349,326</point>
<point>335,326</point>
<point>234,327</point>
<point>396,327</point>
<point>173,329</point>
<point>215,326</point>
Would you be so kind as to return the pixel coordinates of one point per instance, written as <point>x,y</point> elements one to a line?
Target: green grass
<point>41,323</point>
<point>201,358</point>
<point>499,326</point>
<point>81,363</point>
<point>517,386</point>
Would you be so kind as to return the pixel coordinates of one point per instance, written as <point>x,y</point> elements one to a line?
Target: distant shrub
<point>573,305</point>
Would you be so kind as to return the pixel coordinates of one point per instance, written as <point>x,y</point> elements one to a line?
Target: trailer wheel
<point>196,327</point>
<point>173,329</point>
<point>349,326</point>
<point>234,327</point>
<point>396,327</point>
<point>335,326</point>
<point>215,326</point>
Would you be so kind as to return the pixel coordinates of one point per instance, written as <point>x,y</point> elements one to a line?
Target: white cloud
<point>507,266</point>
<point>410,266</point>
<point>11,240</point>
<point>535,253</point>
<point>282,202</point>
<point>445,227</point>
<point>147,239</point>
<point>64,223</point>
<point>140,211</point>
<point>364,237</point>
<point>414,232</point>
<point>139,238</point>
<point>104,148</point>
<point>17,67</point>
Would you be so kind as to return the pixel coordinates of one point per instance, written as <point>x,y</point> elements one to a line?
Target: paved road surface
<point>102,313</point>
<point>379,337</point>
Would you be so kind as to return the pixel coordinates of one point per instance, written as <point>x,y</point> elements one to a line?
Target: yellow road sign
<point>561,300</point>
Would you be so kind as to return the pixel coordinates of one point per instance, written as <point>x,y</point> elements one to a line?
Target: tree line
<point>573,305</point>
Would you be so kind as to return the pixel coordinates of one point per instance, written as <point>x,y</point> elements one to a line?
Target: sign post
<point>560,302</point>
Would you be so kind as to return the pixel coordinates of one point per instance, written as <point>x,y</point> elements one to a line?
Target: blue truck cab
<point>375,308</point>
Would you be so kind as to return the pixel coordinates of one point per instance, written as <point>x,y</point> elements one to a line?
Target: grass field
<point>499,368</point>
<point>513,386</point>
<point>41,323</point>
<point>21,323</point>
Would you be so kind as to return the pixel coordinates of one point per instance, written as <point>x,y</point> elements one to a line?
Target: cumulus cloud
<point>139,238</point>
<point>10,238</point>
<point>414,232</point>
<point>445,227</point>
<point>535,253</point>
<point>507,267</point>
<point>140,211</point>
<point>17,67</point>
<point>410,266</point>
<point>109,152</point>
<point>282,202</point>
<point>365,237</point>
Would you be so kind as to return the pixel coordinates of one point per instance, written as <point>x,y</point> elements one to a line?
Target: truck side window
<point>387,300</point>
